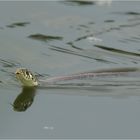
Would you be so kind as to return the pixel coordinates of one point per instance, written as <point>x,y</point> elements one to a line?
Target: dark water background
<point>63,37</point>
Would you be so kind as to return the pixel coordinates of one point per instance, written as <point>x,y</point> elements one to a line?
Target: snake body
<point>28,79</point>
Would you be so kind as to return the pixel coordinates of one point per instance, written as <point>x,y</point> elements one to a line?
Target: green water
<point>60,38</point>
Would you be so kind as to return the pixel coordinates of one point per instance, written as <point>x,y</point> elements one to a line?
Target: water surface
<point>60,38</point>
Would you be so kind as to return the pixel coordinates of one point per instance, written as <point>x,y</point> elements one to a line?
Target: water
<point>60,38</point>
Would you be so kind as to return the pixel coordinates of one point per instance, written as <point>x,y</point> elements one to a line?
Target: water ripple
<point>117,50</point>
<point>79,53</point>
<point>18,24</point>
<point>44,38</point>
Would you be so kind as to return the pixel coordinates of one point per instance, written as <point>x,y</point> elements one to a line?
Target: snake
<point>28,79</point>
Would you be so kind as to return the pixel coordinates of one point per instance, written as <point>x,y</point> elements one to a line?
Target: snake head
<point>26,78</point>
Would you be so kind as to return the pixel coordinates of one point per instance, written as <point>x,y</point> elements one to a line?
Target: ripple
<point>44,38</point>
<point>73,46</point>
<point>117,50</point>
<point>18,24</point>
<point>129,25</point>
<point>80,53</point>
<point>131,13</point>
<point>8,63</point>
<point>78,3</point>
<point>109,20</point>
<point>127,13</point>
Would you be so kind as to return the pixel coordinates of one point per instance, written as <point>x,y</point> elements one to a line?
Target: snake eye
<point>17,73</point>
<point>27,73</point>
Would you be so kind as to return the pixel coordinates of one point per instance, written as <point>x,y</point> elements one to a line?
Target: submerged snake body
<point>27,79</point>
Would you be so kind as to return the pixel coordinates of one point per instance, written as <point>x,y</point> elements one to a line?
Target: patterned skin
<point>26,77</point>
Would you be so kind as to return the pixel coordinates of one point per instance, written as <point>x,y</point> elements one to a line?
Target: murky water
<point>60,38</point>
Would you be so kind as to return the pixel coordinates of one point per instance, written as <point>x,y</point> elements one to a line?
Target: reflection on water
<point>18,24</point>
<point>24,100</point>
<point>45,38</point>
<point>78,2</point>
<point>86,2</point>
<point>128,13</point>
<point>117,50</point>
